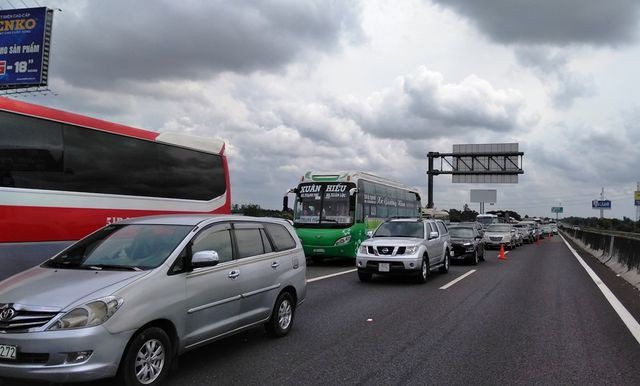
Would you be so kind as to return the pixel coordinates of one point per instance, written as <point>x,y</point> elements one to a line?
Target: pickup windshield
<point>400,229</point>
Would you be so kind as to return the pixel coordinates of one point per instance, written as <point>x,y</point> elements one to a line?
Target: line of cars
<point>128,299</point>
<point>415,247</point>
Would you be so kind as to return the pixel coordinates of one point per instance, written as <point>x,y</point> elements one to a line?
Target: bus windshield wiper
<point>330,219</point>
<point>100,267</point>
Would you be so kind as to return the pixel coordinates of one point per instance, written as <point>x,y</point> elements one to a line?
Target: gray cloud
<point>121,41</point>
<point>422,105</point>
<point>558,22</point>
<point>552,68</point>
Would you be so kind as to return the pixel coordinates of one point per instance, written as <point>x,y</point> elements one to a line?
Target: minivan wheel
<point>282,316</point>
<point>147,359</point>
<point>445,264</point>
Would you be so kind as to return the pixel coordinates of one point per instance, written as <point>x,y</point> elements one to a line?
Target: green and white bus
<point>334,210</point>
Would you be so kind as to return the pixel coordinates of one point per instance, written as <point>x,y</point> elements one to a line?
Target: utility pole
<point>602,199</point>
<point>638,207</point>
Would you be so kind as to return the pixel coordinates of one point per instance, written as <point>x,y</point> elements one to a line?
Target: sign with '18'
<point>25,37</point>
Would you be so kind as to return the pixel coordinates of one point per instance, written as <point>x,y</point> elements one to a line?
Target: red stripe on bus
<point>39,224</point>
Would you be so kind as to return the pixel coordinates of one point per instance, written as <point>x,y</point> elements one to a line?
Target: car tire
<point>147,359</point>
<point>282,316</point>
<point>425,271</point>
<point>475,259</point>
<point>364,276</point>
<point>445,264</point>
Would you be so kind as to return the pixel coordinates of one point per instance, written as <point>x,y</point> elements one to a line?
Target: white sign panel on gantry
<point>498,163</point>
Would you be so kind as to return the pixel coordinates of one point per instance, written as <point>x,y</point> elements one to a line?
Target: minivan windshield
<point>132,247</point>
<point>400,229</point>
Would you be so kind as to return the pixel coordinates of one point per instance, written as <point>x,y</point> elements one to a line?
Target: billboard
<point>483,195</point>
<point>25,41</point>
<point>505,167</point>
<point>601,204</point>
<point>637,197</point>
<point>557,209</point>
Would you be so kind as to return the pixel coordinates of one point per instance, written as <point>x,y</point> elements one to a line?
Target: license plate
<point>452,253</point>
<point>383,267</point>
<point>318,250</point>
<point>7,352</point>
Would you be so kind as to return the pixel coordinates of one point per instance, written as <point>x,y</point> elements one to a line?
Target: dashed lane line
<point>332,275</point>
<point>452,282</point>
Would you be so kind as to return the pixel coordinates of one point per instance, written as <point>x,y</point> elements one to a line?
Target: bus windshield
<point>324,203</point>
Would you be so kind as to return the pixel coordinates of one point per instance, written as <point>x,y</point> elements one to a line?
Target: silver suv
<point>128,298</point>
<point>405,246</point>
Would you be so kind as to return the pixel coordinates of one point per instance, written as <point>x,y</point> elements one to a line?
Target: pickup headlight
<point>363,249</point>
<point>343,240</point>
<point>469,247</point>
<point>91,314</point>
<point>411,250</point>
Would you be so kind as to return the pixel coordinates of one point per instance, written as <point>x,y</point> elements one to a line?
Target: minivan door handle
<point>275,265</point>
<point>234,274</point>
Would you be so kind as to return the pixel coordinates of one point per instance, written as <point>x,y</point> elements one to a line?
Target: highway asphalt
<point>534,318</point>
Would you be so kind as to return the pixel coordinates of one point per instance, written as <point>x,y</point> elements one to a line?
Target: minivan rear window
<point>281,238</point>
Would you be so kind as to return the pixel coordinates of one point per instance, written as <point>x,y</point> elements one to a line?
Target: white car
<point>405,246</point>
<point>496,235</point>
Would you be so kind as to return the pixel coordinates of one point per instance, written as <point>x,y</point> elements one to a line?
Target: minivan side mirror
<point>205,259</point>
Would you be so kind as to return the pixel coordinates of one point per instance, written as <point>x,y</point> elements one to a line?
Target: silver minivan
<point>127,299</point>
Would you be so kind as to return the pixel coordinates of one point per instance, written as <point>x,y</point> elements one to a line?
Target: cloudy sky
<point>296,85</point>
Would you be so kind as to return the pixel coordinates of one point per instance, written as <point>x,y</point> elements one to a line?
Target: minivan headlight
<point>91,314</point>
<point>343,240</point>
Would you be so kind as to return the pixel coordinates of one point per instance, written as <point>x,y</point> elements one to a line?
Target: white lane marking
<point>626,317</point>
<point>449,284</point>
<point>332,275</point>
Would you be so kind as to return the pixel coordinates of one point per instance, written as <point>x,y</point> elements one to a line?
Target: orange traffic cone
<point>550,236</point>
<point>502,256</point>
<point>538,240</point>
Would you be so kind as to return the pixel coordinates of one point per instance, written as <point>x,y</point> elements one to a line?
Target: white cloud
<point>422,105</point>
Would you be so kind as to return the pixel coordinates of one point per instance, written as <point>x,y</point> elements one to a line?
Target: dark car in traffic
<point>466,244</point>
